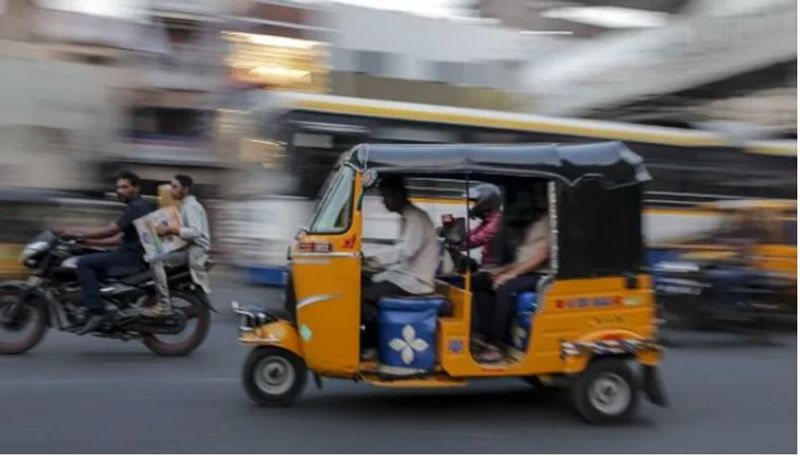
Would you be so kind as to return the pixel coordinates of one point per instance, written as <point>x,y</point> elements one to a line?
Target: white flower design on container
<point>408,344</point>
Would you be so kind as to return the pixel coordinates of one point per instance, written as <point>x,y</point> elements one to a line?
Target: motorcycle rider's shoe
<point>159,310</point>
<point>93,323</point>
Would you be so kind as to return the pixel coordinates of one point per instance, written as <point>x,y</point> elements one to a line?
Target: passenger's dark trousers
<point>90,267</point>
<point>481,291</point>
<point>496,312</point>
<point>370,295</point>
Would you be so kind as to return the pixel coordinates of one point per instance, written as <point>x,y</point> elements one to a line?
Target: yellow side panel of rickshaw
<point>328,312</point>
<point>578,310</point>
<point>327,289</point>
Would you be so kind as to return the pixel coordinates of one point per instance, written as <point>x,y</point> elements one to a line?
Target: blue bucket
<point>521,329</point>
<point>407,334</point>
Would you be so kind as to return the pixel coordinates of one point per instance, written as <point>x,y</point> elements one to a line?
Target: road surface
<point>83,395</point>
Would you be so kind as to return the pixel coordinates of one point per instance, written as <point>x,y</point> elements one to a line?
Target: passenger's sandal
<point>490,355</point>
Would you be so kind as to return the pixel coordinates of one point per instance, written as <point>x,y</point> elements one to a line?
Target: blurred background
<point>256,99</point>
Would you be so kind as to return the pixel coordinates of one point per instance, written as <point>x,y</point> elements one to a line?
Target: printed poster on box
<point>154,244</point>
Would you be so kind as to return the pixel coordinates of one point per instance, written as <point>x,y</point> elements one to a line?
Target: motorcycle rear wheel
<point>197,314</point>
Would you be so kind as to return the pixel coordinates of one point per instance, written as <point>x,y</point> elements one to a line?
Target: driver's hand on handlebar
<point>67,233</point>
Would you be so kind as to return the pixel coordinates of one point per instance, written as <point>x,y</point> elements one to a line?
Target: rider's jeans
<point>157,264</point>
<point>92,266</point>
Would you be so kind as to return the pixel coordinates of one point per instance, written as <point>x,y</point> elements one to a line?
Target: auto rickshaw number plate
<point>609,320</point>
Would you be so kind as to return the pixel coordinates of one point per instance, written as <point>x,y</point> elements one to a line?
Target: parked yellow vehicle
<point>744,271</point>
<point>594,321</point>
<point>769,225</point>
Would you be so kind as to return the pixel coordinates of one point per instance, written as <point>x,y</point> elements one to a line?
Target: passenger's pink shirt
<point>484,233</point>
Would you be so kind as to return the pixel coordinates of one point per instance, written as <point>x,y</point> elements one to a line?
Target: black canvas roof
<point>611,161</point>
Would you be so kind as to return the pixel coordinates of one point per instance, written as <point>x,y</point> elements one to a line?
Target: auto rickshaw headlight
<point>246,318</point>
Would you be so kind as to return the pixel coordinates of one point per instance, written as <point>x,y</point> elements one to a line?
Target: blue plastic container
<point>407,334</point>
<point>527,303</point>
<point>273,276</point>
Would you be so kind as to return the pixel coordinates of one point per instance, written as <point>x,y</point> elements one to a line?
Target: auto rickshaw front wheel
<point>606,392</point>
<point>273,376</point>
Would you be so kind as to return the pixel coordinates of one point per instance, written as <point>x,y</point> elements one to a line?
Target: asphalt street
<point>85,395</point>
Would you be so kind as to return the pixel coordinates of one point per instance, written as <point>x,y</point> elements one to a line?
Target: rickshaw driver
<point>412,264</point>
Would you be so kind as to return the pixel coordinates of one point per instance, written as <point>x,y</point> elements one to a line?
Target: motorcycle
<point>51,297</point>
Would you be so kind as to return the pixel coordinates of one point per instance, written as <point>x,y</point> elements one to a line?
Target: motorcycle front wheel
<point>198,323</point>
<point>23,329</point>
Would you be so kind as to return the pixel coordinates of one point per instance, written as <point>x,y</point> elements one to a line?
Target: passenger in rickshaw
<point>496,307</point>
<point>488,201</point>
<point>411,266</point>
<point>488,235</point>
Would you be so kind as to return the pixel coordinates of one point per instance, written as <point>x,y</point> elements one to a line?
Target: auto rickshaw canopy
<point>596,197</point>
<point>611,162</point>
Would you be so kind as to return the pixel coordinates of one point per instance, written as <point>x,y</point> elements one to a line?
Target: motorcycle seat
<point>117,272</point>
<point>137,279</point>
<point>145,276</point>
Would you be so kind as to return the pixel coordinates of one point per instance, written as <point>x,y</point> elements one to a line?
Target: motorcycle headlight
<point>32,249</point>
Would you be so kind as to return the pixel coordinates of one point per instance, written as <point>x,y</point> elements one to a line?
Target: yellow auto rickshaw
<point>741,275</point>
<point>770,226</point>
<point>593,327</point>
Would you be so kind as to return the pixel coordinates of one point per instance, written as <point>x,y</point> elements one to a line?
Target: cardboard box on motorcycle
<point>155,245</point>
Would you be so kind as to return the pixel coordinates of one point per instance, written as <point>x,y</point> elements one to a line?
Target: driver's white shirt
<point>413,262</point>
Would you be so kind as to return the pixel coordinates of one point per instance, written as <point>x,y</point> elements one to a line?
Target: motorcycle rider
<point>195,232</point>
<point>127,258</point>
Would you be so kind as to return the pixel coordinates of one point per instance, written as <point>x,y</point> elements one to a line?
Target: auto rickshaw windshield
<point>334,211</point>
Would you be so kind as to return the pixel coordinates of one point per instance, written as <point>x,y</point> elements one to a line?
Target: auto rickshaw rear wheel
<point>273,376</point>
<point>607,391</point>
